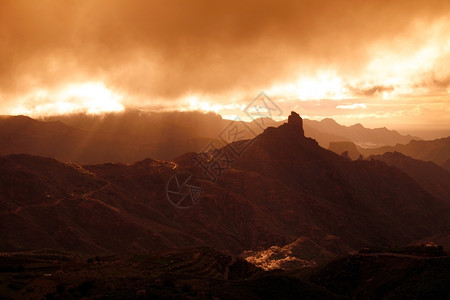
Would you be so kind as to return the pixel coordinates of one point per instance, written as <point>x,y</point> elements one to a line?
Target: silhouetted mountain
<point>124,137</point>
<point>341,147</point>
<point>433,178</point>
<point>437,151</point>
<point>360,135</point>
<point>22,134</point>
<point>446,165</point>
<point>323,138</point>
<point>353,188</point>
<point>282,186</point>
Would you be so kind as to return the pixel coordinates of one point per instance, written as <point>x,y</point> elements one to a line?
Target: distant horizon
<point>415,130</point>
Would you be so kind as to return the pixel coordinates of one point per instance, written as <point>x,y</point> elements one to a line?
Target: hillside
<point>437,151</point>
<point>387,276</point>
<point>93,139</point>
<point>345,147</point>
<point>433,178</point>
<point>204,273</point>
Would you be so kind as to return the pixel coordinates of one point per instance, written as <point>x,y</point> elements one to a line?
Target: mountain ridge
<point>134,135</point>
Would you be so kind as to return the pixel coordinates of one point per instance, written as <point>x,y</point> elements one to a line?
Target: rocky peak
<point>296,121</point>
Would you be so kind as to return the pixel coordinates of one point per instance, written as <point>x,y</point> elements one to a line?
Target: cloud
<point>158,52</point>
<point>372,91</point>
<point>351,106</point>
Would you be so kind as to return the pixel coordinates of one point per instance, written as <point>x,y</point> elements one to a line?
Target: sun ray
<point>89,97</point>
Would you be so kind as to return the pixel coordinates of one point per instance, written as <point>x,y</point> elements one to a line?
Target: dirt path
<point>88,196</point>
<point>85,196</point>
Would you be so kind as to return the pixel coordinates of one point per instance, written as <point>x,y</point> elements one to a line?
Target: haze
<point>379,63</point>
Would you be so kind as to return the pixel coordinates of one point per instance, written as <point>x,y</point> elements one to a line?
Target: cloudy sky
<point>379,63</point>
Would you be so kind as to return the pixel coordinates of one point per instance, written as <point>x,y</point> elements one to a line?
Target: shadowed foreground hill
<point>284,186</point>
<point>387,276</point>
<point>203,273</point>
<point>199,273</point>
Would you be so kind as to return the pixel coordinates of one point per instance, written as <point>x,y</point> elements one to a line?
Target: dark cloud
<point>442,82</point>
<point>372,91</point>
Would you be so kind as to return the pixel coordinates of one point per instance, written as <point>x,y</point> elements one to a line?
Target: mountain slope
<point>446,165</point>
<point>387,276</point>
<point>433,178</point>
<point>342,147</point>
<point>437,151</point>
<point>97,140</point>
<point>352,188</point>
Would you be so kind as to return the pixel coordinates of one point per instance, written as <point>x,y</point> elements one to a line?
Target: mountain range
<point>135,135</point>
<point>364,137</point>
<point>437,151</point>
<point>282,187</point>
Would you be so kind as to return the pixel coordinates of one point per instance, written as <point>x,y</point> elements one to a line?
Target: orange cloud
<point>160,54</point>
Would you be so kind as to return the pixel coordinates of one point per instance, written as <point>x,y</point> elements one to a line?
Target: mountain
<point>276,188</point>
<point>446,165</point>
<point>123,138</point>
<point>437,151</point>
<point>345,147</point>
<point>433,178</point>
<point>364,137</point>
<point>20,134</point>
<point>323,138</point>
<point>352,188</point>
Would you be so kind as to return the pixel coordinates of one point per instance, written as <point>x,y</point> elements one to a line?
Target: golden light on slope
<point>90,97</point>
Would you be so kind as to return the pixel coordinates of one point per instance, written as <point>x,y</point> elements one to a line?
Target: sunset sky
<point>379,63</point>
